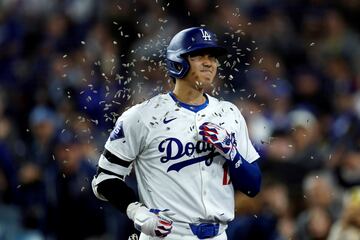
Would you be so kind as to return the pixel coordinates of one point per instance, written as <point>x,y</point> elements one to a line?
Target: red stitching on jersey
<point>226,181</point>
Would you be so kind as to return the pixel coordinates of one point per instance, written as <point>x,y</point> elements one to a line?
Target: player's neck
<point>187,94</point>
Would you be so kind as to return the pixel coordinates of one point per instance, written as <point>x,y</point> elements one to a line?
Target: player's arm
<point>115,163</point>
<point>108,183</point>
<point>245,176</point>
<point>125,143</point>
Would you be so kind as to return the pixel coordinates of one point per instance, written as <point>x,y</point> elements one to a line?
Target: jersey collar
<point>193,108</point>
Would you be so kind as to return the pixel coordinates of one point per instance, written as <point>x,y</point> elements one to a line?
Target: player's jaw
<point>204,78</point>
<point>208,73</point>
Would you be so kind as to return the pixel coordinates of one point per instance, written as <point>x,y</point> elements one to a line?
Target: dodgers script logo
<point>175,150</point>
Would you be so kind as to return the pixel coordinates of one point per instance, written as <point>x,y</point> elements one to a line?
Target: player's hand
<point>222,140</point>
<point>152,222</point>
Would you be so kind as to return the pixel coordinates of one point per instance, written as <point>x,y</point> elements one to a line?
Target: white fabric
<point>96,180</point>
<point>159,135</point>
<point>115,168</point>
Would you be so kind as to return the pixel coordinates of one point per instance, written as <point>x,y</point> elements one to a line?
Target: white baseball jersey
<point>174,169</point>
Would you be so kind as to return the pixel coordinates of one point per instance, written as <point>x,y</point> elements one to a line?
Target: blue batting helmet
<point>188,41</point>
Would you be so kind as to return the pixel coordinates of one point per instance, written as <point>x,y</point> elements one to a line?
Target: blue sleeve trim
<point>246,177</point>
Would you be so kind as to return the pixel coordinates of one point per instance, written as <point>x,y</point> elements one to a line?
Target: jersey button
<point>203,168</point>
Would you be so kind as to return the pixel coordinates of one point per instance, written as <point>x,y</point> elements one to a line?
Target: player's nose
<point>208,60</point>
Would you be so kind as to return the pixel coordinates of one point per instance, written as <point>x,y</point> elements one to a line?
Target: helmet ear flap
<point>178,66</point>
<point>177,69</point>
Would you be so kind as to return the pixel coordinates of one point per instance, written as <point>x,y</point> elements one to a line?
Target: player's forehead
<point>203,52</point>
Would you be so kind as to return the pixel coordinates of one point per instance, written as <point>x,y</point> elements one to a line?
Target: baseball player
<point>190,151</point>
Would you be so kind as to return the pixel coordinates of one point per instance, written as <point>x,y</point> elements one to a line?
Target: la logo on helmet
<point>206,36</point>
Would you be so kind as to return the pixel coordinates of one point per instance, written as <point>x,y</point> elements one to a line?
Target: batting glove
<point>152,222</point>
<point>133,237</point>
<point>223,141</point>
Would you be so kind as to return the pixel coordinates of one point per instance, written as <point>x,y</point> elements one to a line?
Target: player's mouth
<point>206,71</point>
<point>207,74</point>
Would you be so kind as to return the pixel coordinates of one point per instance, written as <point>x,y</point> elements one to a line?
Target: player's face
<point>203,69</point>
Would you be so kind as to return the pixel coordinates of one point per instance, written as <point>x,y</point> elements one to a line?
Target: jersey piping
<point>193,108</point>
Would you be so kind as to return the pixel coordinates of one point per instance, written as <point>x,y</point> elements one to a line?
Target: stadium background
<point>69,68</point>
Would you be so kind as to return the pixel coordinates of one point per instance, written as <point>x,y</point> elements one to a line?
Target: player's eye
<point>195,58</point>
<point>204,57</point>
<point>213,58</point>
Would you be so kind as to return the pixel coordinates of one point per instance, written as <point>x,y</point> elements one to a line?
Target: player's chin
<point>203,83</point>
<point>206,80</point>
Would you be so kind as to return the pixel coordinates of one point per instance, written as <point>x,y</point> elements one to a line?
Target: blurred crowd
<point>68,68</point>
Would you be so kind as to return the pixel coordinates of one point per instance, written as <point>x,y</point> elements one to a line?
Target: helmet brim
<point>216,51</point>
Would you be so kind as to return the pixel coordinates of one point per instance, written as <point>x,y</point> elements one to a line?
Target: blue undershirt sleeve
<point>246,177</point>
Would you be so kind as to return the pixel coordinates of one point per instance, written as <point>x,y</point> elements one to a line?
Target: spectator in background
<point>10,216</point>
<point>267,217</point>
<point>339,40</point>
<point>317,225</point>
<point>345,163</point>
<point>44,126</point>
<point>8,180</point>
<point>71,207</point>
<point>31,170</point>
<point>348,226</point>
<point>311,92</point>
<point>306,138</point>
<point>322,207</point>
<point>277,202</point>
<point>347,171</point>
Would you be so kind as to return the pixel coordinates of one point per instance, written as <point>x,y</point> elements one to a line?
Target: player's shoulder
<point>154,104</point>
<point>222,103</point>
<point>225,106</point>
<point>149,107</point>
